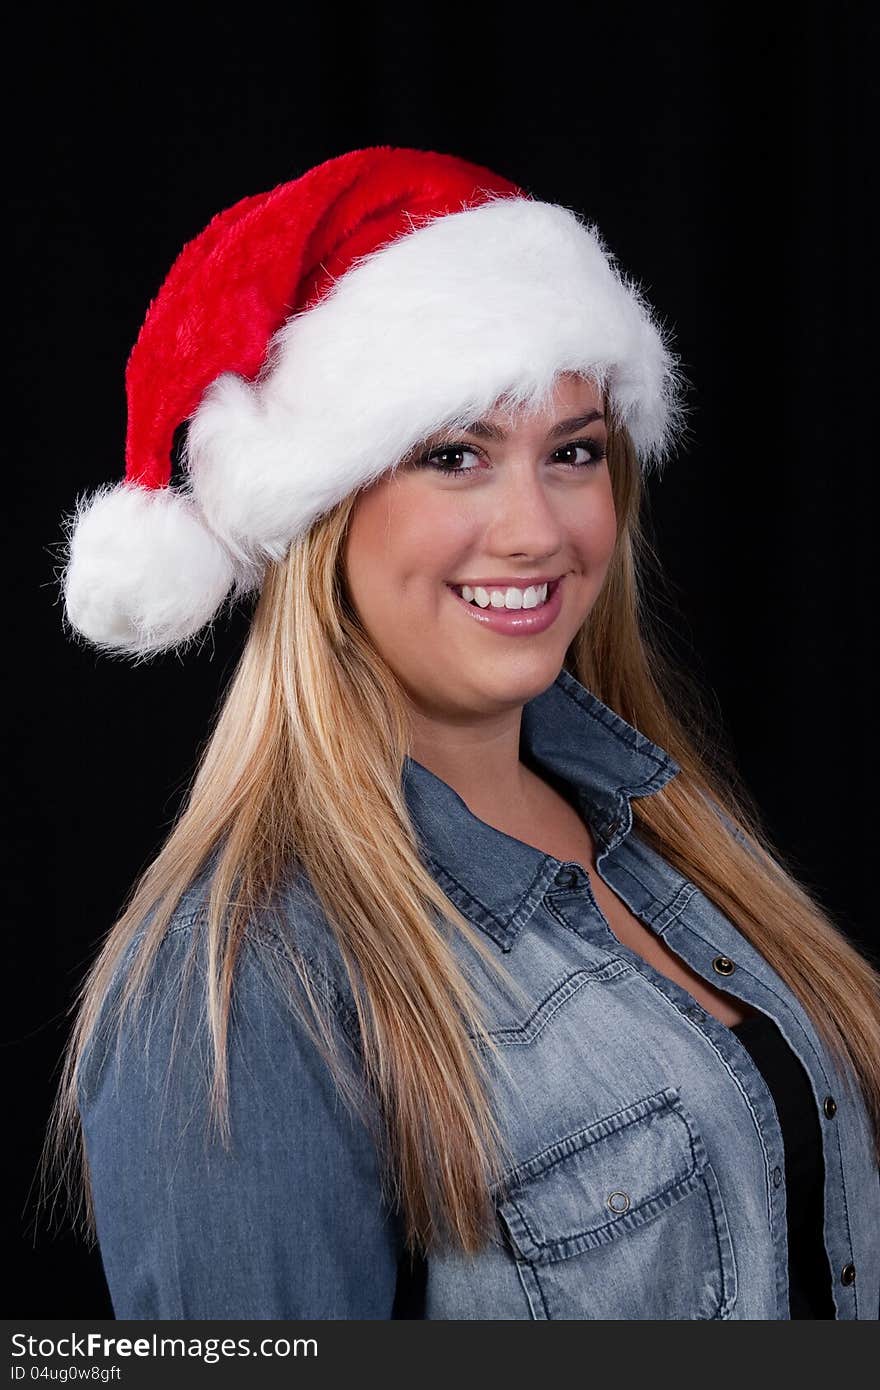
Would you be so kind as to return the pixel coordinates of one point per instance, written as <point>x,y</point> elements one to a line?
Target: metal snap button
<point>566,878</point>
<point>723,965</point>
<point>848,1274</point>
<point>618,1202</point>
<point>777,1176</point>
<point>829,1105</point>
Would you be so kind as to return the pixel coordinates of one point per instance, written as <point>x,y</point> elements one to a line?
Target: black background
<point>724,154</point>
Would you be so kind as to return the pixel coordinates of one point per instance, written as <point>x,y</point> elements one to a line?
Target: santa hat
<point>309,338</point>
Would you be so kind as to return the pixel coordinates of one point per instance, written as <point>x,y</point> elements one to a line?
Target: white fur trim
<point>427,333</point>
<point>143,573</point>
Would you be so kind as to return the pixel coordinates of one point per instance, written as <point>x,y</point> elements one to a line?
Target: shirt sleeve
<point>288,1222</point>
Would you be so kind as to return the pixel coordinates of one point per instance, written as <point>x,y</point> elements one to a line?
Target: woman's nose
<point>526,516</point>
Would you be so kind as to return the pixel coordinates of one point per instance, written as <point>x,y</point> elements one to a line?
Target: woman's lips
<point>516,622</point>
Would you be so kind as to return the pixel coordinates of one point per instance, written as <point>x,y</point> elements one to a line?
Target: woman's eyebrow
<point>484,430</point>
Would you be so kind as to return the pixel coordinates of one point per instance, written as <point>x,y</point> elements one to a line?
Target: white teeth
<point>532,597</point>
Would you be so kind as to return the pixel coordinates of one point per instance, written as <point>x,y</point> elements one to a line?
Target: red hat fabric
<point>309,337</point>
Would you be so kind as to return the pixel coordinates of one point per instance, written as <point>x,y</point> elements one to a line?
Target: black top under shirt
<point>809,1273</point>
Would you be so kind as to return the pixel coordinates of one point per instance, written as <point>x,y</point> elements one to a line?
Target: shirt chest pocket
<point>623,1219</point>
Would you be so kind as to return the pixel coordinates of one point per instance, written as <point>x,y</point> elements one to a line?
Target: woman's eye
<point>441,459</point>
<point>449,451</point>
<point>594,450</point>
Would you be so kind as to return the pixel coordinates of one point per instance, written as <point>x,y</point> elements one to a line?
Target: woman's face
<point>518,501</point>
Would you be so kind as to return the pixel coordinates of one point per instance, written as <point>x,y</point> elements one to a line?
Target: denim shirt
<point>647,1175</point>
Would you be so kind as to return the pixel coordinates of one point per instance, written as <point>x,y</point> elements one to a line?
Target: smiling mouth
<point>552,586</point>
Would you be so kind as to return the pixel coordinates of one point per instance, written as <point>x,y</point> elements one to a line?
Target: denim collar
<point>568,733</point>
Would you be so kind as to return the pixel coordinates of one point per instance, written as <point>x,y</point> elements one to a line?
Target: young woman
<point>466,985</point>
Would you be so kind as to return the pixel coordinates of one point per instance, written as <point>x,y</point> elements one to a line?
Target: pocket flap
<point>604,1180</point>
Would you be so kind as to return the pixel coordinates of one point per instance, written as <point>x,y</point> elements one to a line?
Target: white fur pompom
<point>143,572</point>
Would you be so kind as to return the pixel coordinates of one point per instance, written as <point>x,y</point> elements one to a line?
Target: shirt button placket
<point>848,1273</point>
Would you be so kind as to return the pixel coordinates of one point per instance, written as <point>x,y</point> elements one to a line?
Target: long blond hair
<point>304,767</point>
